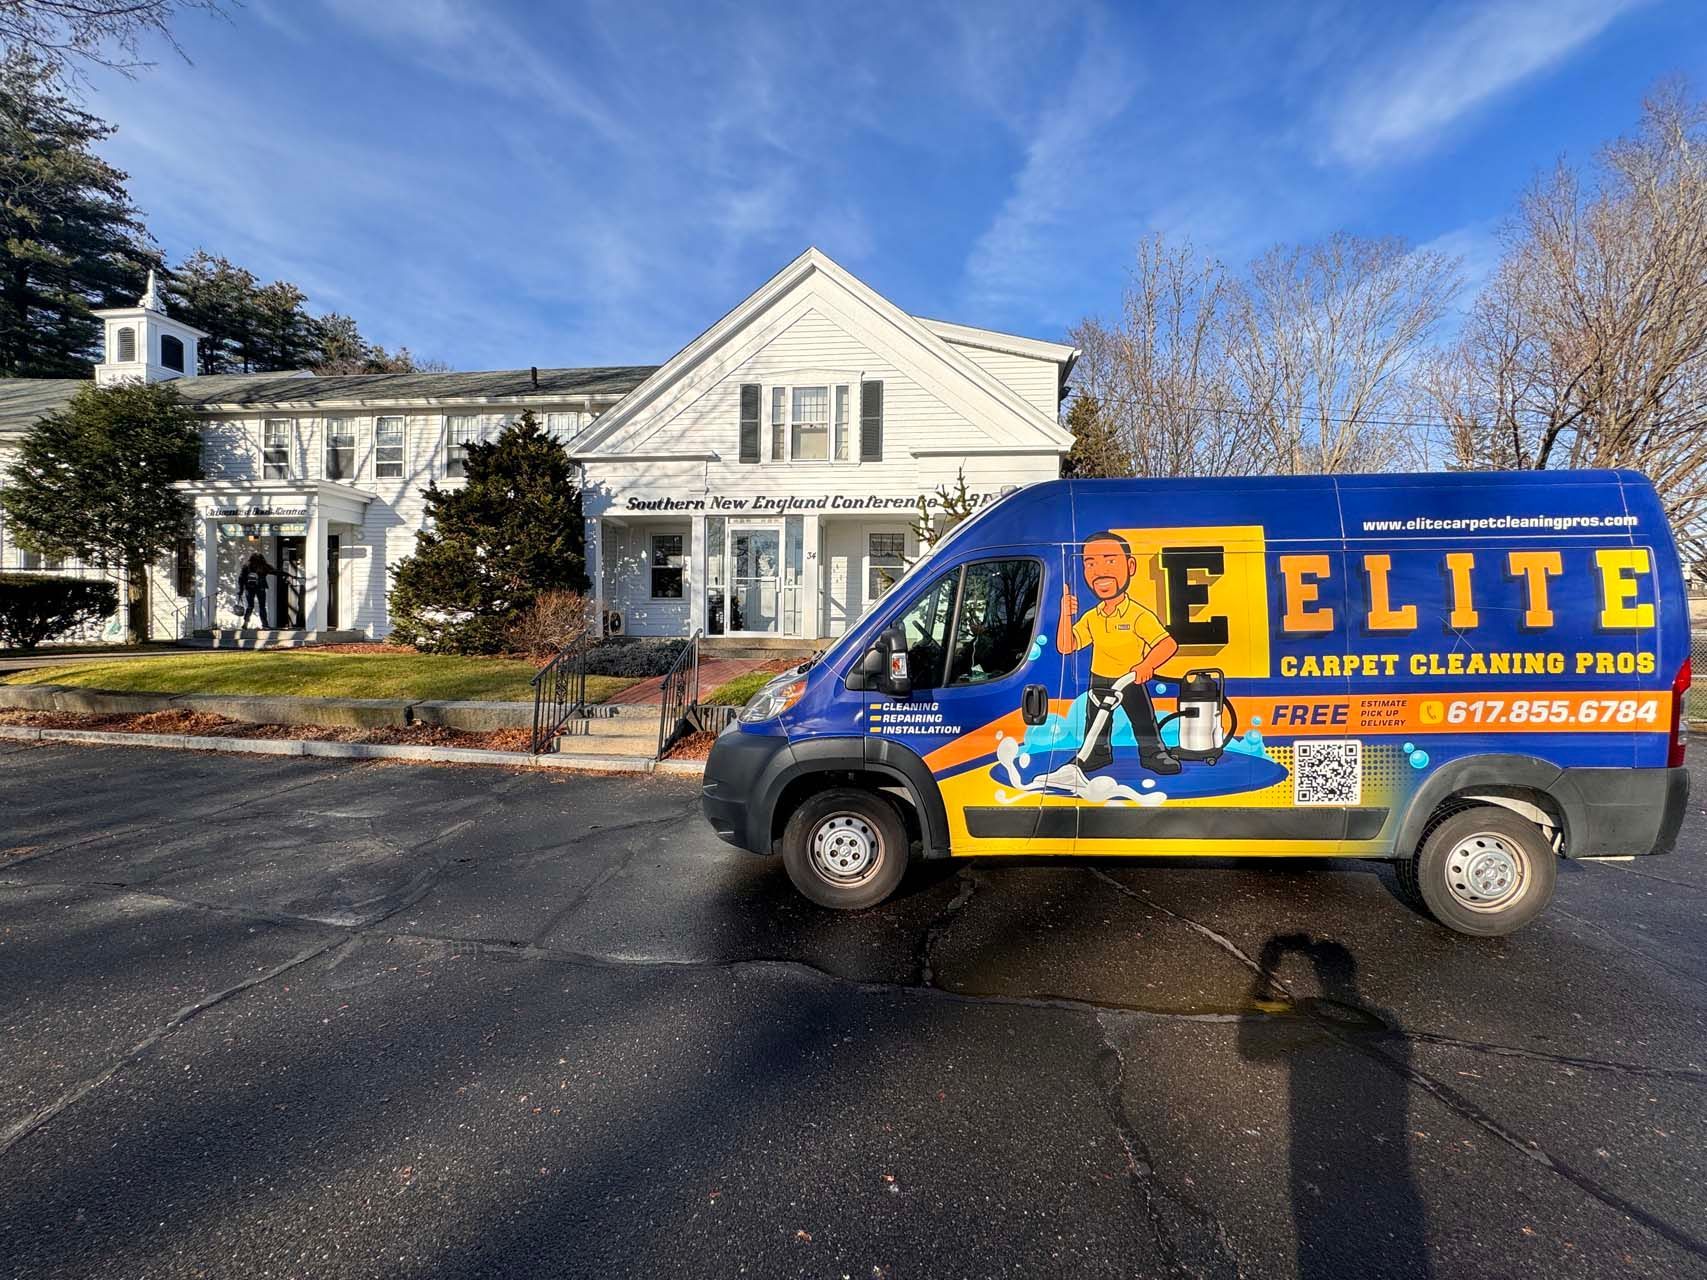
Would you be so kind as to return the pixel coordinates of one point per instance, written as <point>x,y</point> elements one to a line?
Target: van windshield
<point>911,577</point>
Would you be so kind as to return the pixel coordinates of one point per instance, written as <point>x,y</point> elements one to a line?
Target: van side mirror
<point>893,676</point>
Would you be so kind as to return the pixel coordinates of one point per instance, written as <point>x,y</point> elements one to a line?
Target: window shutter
<point>749,422</point>
<point>871,421</point>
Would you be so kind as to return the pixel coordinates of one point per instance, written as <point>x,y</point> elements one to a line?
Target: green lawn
<point>735,692</point>
<point>306,674</point>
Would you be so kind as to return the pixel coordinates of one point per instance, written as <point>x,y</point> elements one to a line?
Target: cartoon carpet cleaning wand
<point>1202,702</point>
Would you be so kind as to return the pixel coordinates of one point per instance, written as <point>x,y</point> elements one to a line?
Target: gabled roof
<point>24,400</point>
<point>505,385</point>
<point>908,343</point>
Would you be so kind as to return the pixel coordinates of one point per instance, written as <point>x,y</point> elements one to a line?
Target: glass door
<point>755,572</point>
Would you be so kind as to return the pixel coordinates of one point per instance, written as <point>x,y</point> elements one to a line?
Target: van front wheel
<point>845,849</point>
<point>1484,871</point>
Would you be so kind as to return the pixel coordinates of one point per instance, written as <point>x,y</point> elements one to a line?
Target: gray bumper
<point>1619,812</point>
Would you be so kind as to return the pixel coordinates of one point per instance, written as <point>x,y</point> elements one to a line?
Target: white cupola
<point>143,342</point>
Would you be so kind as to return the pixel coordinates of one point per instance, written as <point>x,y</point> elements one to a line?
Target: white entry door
<point>755,580</point>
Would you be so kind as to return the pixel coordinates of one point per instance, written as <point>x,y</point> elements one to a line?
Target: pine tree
<point>1097,450</point>
<point>487,549</point>
<point>96,480</point>
<point>70,239</point>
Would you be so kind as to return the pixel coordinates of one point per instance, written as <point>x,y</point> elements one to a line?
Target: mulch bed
<point>696,746</point>
<point>198,724</point>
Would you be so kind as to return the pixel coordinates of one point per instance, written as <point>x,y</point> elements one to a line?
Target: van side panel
<point>1373,646</point>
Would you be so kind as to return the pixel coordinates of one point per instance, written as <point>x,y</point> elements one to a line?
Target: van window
<point>998,612</point>
<point>925,624</point>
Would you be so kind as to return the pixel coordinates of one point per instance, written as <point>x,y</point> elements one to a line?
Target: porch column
<point>314,569</point>
<point>210,576</point>
<point>593,541</point>
<point>812,579</point>
<point>696,574</point>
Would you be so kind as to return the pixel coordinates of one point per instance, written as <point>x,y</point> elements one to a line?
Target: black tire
<point>1485,871</point>
<point>862,832</point>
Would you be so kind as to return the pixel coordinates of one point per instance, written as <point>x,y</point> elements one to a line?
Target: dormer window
<point>172,352</point>
<point>127,345</point>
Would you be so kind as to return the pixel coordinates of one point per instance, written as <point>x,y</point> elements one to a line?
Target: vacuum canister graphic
<point>1202,703</point>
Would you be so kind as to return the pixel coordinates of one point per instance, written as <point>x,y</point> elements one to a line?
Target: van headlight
<point>772,700</point>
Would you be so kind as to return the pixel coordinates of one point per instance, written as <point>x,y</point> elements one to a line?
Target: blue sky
<point>505,184</point>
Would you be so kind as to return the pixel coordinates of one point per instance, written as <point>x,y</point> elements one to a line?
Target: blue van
<point>1470,674</point>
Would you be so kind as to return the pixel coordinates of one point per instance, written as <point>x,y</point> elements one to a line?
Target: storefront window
<point>716,583</point>
<point>667,566</point>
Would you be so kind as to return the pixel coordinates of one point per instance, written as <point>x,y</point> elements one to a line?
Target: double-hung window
<point>340,449</point>
<point>842,423</point>
<point>388,448</point>
<point>886,561</point>
<point>275,449</point>
<point>461,430</point>
<point>667,564</point>
<point>779,423</point>
<point>810,439</point>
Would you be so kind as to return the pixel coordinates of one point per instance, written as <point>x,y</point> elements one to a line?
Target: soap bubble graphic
<point>1160,687</point>
<point>1147,783</point>
<point>1410,747</point>
<point>1036,649</point>
<point>1256,719</point>
<point>1419,759</point>
<point>1253,738</point>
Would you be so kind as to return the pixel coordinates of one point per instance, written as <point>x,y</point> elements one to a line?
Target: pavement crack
<point>1686,1075</point>
<point>22,1129</point>
<point>1529,1149</point>
<point>604,877</point>
<point>925,953</point>
<point>1221,940</point>
<point>1211,1255</point>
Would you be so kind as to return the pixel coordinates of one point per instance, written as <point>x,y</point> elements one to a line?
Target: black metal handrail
<point>559,693</point>
<point>679,692</point>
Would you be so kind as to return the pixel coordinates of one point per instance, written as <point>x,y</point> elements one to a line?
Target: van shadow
<point>1356,1208</point>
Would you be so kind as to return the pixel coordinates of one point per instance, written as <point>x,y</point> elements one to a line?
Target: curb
<point>357,751</point>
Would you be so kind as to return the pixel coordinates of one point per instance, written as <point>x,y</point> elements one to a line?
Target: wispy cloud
<point>1055,181</point>
<point>1455,62</point>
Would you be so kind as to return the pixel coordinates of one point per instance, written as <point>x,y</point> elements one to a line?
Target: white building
<point>761,482</point>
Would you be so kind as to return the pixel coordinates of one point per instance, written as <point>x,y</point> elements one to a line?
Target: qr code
<point>1327,772</point>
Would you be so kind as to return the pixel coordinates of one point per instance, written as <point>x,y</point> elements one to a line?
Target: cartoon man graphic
<point>1128,645</point>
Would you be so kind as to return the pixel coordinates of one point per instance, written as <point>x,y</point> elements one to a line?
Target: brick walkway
<point>712,672</point>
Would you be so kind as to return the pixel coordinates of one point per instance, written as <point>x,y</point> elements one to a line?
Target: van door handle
<point>1034,704</point>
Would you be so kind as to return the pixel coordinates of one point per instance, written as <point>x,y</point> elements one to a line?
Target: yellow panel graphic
<point>1206,583</point>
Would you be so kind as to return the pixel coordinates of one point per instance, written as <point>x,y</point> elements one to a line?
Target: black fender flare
<point>1469,773</point>
<point>851,755</point>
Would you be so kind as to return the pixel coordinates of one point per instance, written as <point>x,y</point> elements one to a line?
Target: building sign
<point>777,504</point>
<point>256,511</point>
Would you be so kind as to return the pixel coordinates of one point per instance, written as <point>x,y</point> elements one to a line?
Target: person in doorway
<point>1128,645</point>
<point>252,587</point>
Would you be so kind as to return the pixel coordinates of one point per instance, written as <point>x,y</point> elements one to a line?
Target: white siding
<point>628,578</point>
<point>1037,380</point>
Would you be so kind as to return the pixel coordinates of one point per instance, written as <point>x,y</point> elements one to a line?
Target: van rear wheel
<point>1484,871</point>
<point>845,849</point>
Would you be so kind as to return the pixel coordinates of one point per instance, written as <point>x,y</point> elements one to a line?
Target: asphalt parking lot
<point>294,1017</point>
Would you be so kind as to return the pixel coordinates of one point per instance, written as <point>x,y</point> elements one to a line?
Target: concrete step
<point>275,638</point>
<point>756,648</point>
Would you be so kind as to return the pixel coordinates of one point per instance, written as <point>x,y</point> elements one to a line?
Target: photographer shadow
<point>1356,1209</point>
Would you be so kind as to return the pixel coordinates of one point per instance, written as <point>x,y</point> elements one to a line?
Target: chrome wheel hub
<point>1486,872</point>
<point>846,849</point>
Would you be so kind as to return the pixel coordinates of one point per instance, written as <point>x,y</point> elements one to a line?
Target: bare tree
<point>1160,377</point>
<point>1589,347</point>
<point>62,33</point>
<point>1330,341</point>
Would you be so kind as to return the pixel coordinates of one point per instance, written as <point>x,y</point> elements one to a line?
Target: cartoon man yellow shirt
<point>1118,640</point>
